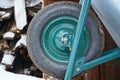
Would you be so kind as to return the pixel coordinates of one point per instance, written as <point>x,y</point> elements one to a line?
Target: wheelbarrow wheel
<point>45,37</point>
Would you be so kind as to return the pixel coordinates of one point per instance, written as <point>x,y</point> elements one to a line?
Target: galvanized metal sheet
<point>109,13</point>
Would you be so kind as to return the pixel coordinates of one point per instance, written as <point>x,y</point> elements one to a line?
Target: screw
<point>70,48</point>
<point>64,39</point>
<point>78,69</point>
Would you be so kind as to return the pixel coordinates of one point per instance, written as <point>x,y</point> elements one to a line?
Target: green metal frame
<point>108,56</point>
<point>79,30</point>
<point>73,67</point>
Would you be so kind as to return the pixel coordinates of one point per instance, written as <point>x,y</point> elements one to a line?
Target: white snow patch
<point>33,3</point>
<point>26,71</point>
<point>2,68</point>
<point>6,15</point>
<point>4,75</point>
<point>8,59</point>
<point>9,35</point>
<point>21,41</point>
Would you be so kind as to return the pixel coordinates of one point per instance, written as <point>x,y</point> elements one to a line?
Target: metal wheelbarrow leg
<point>79,30</point>
<point>108,56</point>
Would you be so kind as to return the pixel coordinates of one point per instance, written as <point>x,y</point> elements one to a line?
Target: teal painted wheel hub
<point>52,36</point>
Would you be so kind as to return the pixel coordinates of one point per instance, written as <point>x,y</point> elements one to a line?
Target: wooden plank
<point>20,14</point>
<point>107,70</point>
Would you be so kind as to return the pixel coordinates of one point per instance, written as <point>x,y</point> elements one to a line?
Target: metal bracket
<point>67,40</point>
<point>107,56</point>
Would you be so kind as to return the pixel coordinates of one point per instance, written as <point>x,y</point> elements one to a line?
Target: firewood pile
<point>13,52</point>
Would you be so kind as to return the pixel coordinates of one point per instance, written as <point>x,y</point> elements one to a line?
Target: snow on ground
<point>4,75</point>
<point>21,41</point>
<point>8,59</point>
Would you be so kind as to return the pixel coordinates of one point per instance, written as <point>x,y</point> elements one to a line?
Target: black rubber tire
<point>35,50</point>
